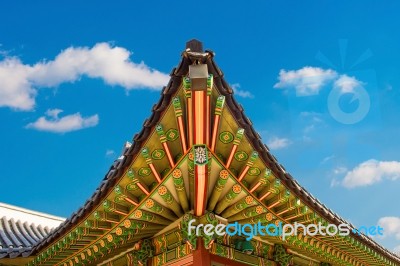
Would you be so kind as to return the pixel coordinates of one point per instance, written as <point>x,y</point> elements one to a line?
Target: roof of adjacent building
<point>21,229</point>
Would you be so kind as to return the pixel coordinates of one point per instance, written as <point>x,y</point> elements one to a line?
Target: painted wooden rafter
<point>236,142</point>
<point>217,116</point>
<point>163,140</point>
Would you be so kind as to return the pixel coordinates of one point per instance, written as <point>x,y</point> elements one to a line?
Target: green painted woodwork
<point>157,208</point>
<point>186,82</point>
<point>210,80</point>
<point>104,216</point>
<point>241,156</point>
<point>144,171</point>
<point>160,133</point>
<point>146,216</point>
<point>177,106</point>
<point>219,186</point>
<point>253,158</point>
<point>144,252</point>
<point>226,137</point>
<point>239,206</point>
<point>172,134</point>
<point>170,200</point>
<point>238,136</point>
<point>226,201</point>
<point>219,106</point>
<point>146,155</point>
<point>131,173</point>
<point>247,213</point>
<point>254,171</point>
<point>110,206</point>
<point>281,256</point>
<point>209,239</point>
<point>158,154</point>
<point>188,237</point>
<point>180,189</point>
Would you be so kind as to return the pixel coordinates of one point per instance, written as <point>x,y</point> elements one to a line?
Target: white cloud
<point>54,123</point>
<point>241,93</point>
<point>310,80</point>
<point>20,82</point>
<point>110,153</point>
<point>16,90</point>
<point>307,80</point>
<point>347,84</point>
<point>391,226</point>
<point>276,143</point>
<point>370,172</point>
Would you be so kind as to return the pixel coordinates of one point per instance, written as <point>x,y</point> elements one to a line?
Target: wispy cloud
<point>311,122</point>
<point>340,170</point>
<point>20,82</point>
<point>327,158</point>
<point>371,172</point>
<point>276,143</point>
<point>51,122</point>
<point>241,93</point>
<point>391,226</point>
<point>307,80</point>
<point>110,153</point>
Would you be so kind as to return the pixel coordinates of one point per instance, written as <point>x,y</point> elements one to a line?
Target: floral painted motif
<point>172,134</point>
<point>226,137</point>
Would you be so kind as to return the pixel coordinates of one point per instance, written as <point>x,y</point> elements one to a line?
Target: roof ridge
<point>32,212</point>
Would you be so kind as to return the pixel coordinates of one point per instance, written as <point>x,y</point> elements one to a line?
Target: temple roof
<point>21,229</point>
<point>276,194</point>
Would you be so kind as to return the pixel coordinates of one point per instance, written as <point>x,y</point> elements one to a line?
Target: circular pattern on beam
<point>144,171</point>
<point>118,231</point>
<point>177,173</point>
<point>158,154</point>
<point>149,203</point>
<point>172,134</point>
<point>249,200</point>
<point>162,190</point>
<point>127,223</point>
<point>236,188</point>
<point>226,137</point>
<point>138,214</point>
<point>131,186</point>
<point>241,156</point>
<point>254,171</point>
<point>224,174</point>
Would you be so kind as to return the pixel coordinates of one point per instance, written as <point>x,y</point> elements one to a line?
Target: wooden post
<point>201,256</point>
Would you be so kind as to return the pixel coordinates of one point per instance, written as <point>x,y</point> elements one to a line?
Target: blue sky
<point>318,79</point>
